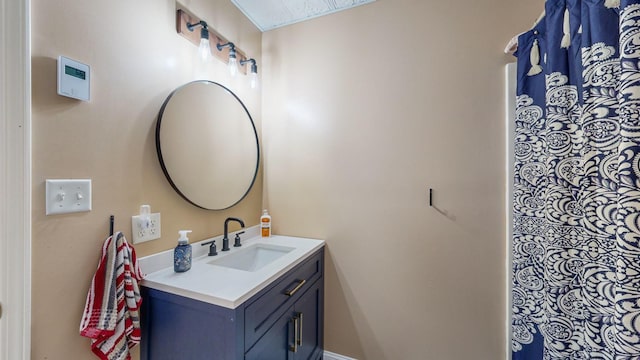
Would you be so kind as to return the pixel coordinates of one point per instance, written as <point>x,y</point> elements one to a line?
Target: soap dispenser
<point>182,253</point>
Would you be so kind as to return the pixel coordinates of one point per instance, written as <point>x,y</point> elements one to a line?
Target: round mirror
<point>207,145</point>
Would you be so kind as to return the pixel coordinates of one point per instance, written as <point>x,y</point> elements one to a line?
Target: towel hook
<point>111,222</point>
<point>430,197</point>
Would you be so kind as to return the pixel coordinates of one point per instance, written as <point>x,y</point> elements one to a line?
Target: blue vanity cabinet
<point>288,311</point>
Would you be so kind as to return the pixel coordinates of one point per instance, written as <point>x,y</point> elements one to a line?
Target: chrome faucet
<point>225,239</point>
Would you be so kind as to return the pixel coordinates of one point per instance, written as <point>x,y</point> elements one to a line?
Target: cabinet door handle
<point>300,327</point>
<point>295,289</point>
<point>294,348</point>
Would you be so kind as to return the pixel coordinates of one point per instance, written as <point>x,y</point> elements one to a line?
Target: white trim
<point>15,180</point>
<point>332,356</point>
<point>510,112</point>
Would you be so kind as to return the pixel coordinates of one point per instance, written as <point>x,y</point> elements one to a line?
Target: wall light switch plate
<point>68,196</point>
<point>142,233</point>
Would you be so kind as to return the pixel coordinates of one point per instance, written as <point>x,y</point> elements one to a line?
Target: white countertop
<point>221,285</point>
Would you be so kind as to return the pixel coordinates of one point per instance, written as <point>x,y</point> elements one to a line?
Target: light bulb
<point>253,73</point>
<point>254,80</point>
<point>233,65</point>
<point>205,50</point>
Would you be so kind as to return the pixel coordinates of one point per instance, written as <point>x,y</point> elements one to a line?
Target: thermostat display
<point>73,79</point>
<point>74,72</point>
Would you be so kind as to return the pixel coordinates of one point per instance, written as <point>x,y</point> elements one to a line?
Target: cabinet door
<point>309,312</point>
<point>275,343</point>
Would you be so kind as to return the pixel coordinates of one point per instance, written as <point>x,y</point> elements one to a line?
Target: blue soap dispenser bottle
<point>182,253</point>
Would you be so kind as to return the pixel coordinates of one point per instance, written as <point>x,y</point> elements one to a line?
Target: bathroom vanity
<point>263,301</point>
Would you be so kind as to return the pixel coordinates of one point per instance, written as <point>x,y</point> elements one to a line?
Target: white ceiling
<point>270,14</point>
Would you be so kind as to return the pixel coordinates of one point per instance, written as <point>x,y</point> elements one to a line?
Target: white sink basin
<point>253,257</point>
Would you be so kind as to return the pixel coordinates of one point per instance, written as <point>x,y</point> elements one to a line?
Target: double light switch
<point>68,196</point>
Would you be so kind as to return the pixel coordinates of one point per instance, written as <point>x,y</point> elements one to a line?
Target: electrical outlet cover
<point>142,233</point>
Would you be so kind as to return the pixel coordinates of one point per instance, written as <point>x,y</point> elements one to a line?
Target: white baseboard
<point>331,356</point>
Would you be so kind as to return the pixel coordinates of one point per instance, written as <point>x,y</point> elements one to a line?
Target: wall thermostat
<point>73,79</point>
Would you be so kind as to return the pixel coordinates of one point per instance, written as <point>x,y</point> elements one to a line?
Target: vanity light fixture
<point>253,73</point>
<point>224,50</point>
<point>204,49</point>
<point>233,62</point>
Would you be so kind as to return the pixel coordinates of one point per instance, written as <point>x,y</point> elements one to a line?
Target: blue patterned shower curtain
<point>576,250</point>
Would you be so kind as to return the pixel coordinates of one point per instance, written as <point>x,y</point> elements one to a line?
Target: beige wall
<point>363,111</point>
<point>136,59</point>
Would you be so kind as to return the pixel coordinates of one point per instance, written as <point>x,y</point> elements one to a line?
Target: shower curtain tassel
<point>535,59</point>
<point>612,3</point>
<point>566,29</point>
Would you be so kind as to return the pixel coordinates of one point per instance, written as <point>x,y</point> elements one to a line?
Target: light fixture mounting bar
<point>183,17</point>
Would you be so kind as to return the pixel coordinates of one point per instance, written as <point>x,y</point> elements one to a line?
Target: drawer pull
<point>294,348</point>
<point>300,327</point>
<point>295,289</point>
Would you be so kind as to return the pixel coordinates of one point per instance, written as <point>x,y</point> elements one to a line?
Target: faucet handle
<point>212,247</point>
<point>237,243</point>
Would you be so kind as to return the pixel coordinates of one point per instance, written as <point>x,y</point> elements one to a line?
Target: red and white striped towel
<point>111,316</point>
